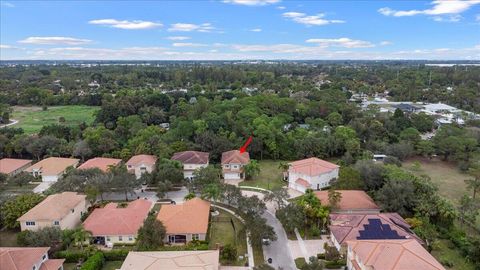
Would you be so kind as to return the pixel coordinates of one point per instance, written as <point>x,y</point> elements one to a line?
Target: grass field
<point>270,176</point>
<point>32,119</point>
<point>444,251</point>
<point>222,233</point>
<point>8,238</point>
<point>7,190</point>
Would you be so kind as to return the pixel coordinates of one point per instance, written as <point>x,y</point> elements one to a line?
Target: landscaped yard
<point>222,233</point>
<point>11,190</point>
<point>32,119</point>
<point>8,238</point>
<point>270,176</point>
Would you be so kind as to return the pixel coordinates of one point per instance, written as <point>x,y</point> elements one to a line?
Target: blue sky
<point>239,29</point>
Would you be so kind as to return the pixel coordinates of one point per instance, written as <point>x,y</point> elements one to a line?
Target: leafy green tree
<point>252,169</point>
<point>229,253</point>
<point>335,119</point>
<point>16,206</point>
<point>348,178</point>
<point>313,264</point>
<point>397,195</point>
<point>21,179</point>
<point>371,173</point>
<point>80,236</point>
<point>291,216</point>
<point>44,237</point>
<point>474,184</point>
<point>334,198</point>
<point>189,196</point>
<point>151,234</point>
<point>168,170</point>
<point>278,195</point>
<point>205,176</point>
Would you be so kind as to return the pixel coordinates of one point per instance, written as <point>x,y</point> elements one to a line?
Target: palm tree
<point>334,197</point>
<point>80,236</point>
<point>211,192</point>
<point>284,167</point>
<point>474,184</point>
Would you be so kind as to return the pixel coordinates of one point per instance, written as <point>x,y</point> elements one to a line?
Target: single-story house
<point>101,163</point>
<point>141,164</point>
<point>52,169</point>
<point>185,222</point>
<point>63,210</point>
<point>352,202</point>
<point>389,255</point>
<point>347,227</point>
<point>172,260</point>
<point>28,258</point>
<point>12,166</point>
<point>311,173</point>
<point>233,163</point>
<point>116,224</point>
<point>191,160</point>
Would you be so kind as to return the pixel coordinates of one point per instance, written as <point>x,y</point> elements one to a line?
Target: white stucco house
<point>141,164</point>
<point>191,161</point>
<point>311,173</point>
<point>233,163</point>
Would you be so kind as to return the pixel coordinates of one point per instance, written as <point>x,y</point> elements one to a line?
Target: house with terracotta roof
<point>117,224</point>
<point>12,166</point>
<point>311,173</point>
<point>172,260</point>
<point>185,222</point>
<point>141,164</point>
<point>28,258</point>
<point>52,169</point>
<point>191,161</point>
<point>389,255</point>
<point>101,163</point>
<point>63,210</point>
<point>233,163</point>
<point>352,201</point>
<point>382,226</point>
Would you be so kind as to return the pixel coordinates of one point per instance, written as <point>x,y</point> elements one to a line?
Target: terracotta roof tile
<point>9,165</point>
<point>53,165</point>
<point>189,217</point>
<point>234,156</point>
<point>311,166</point>
<point>351,200</point>
<point>54,207</point>
<point>191,157</point>
<point>172,260</point>
<point>101,163</point>
<point>21,258</point>
<point>139,159</point>
<point>52,264</point>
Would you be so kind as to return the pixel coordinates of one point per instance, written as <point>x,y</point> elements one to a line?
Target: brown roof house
<point>12,166</point>
<point>172,260</point>
<point>116,224</point>
<point>51,169</point>
<point>185,222</point>
<point>101,163</point>
<point>141,164</point>
<point>352,201</point>
<point>232,164</point>
<point>311,173</point>
<point>389,255</point>
<point>28,258</point>
<point>62,210</point>
<point>191,160</point>
<point>383,226</point>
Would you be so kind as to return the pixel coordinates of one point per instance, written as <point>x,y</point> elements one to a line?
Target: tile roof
<point>142,159</point>
<point>394,254</point>
<point>191,157</point>
<point>311,166</point>
<point>111,220</point>
<point>189,217</point>
<point>351,200</point>
<point>52,264</point>
<point>54,207</point>
<point>172,260</point>
<point>100,163</point>
<point>20,258</point>
<point>9,165</point>
<point>347,227</point>
<point>234,156</point>
<point>53,165</point>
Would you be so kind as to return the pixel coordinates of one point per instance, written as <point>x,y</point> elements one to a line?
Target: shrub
<point>229,253</point>
<point>72,257</point>
<point>115,254</point>
<point>315,231</point>
<point>446,262</point>
<point>335,264</point>
<point>94,262</point>
<point>321,256</point>
<point>300,262</point>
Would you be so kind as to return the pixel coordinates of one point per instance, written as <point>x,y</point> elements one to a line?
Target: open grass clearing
<point>444,251</point>
<point>32,119</point>
<point>270,176</point>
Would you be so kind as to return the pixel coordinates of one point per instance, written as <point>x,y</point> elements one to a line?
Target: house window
<point>30,223</point>
<point>120,238</point>
<point>130,237</point>
<point>56,223</point>
<point>108,238</point>
<point>195,236</point>
<point>73,210</point>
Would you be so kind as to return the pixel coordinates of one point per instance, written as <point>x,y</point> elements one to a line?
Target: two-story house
<point>141,164</point>
<point>191,161</point>
<point>311,173</point>
<point>28,258</point>
<point>52,169</point>
<point>62,210</point>
<point>233,163</point>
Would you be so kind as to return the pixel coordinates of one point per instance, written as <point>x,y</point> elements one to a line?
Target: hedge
<point>115,254</point>
<point>74,257</point>
<point>335,264</point>
<point>94,262</point>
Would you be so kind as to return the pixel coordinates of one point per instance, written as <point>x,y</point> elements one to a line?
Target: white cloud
<point>340,42</point>
<point>7,4</point>
<point>281,7</point>
<point>189,27</point>
<point>256,30</point>
<point>187,44</point>
<point>449,18</point>
<point>124,24</point>
<point>178,38</point>
<point>386,43</point>
<point>252,2</point>
<point>439,8</point>
<point>54,41</point>
<point>309,19</point>
<point>3,46</point>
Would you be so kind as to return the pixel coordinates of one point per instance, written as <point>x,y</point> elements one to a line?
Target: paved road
<point>13,122</point>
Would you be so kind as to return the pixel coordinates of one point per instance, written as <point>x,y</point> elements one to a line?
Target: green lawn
<point>8,238</point>
<point>31,119</point>
<point>222,233</point>
<point>270,176</point>
<point>10,190</point>
<point>444,251</point>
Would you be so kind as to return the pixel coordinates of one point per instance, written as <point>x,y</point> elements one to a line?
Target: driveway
<point>278,250</point>
<point>177,196</point>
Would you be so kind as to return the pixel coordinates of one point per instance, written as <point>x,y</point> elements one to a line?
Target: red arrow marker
<point>244,147</point>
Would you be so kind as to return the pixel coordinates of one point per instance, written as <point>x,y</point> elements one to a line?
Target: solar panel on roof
<point>376,230</point>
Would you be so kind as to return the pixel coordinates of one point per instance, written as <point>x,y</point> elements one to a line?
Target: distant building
<point>62,210</point>
<point>233,163</point>
<point>103,164</point>
<point>11,166</point>
<point>389,255</point>
<point>191,161</point>
<point>52,169</point>
<point>311,173</point>
<point>407,108</point>
<point>28,258</point>
<point>166,126</point>
<point>352,201</point>
<point>141,164</point>
<point>172,260</point>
